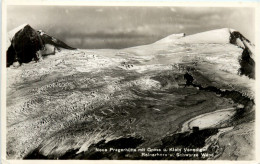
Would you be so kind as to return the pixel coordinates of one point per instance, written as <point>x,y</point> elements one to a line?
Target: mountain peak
<point>218,36</point>
<point>12,32</point>
<point>25,44</point>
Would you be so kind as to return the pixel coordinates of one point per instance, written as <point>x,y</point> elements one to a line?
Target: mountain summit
<point>26,44</point>
<point>218,36</point>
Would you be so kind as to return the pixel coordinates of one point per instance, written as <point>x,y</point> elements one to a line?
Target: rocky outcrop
<point>47,39</point>
<point>26,44</point>
<point>246,61</point>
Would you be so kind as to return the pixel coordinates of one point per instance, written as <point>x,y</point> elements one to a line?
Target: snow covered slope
<point>72,102</point>
<point>220,36</point>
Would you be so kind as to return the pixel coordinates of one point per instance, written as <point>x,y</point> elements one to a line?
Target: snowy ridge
<point>171,38</point>
<point>213,36</point>
<point>218,36</point>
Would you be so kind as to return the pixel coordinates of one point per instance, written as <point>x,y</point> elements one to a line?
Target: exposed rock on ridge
<point>25,44</point>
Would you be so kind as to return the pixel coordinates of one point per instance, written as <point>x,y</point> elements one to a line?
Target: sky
<point>95,27</point>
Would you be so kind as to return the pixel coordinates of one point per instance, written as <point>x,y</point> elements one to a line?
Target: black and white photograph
<point>97,82</point>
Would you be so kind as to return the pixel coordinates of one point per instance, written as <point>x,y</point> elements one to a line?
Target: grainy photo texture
<point>130,83</point>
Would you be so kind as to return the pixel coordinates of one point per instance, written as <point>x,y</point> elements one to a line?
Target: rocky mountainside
<point>186,92</point>
<point>25,44</point>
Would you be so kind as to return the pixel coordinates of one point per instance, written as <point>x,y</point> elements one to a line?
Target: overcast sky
<point>119,27</point>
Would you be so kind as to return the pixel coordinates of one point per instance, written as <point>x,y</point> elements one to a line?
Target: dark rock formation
<point>26,42</point>
<point>235,35</point>
<point>53,41</point>
<point>246,62</point>
<point>10,56</point>
<point>24,46</point>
